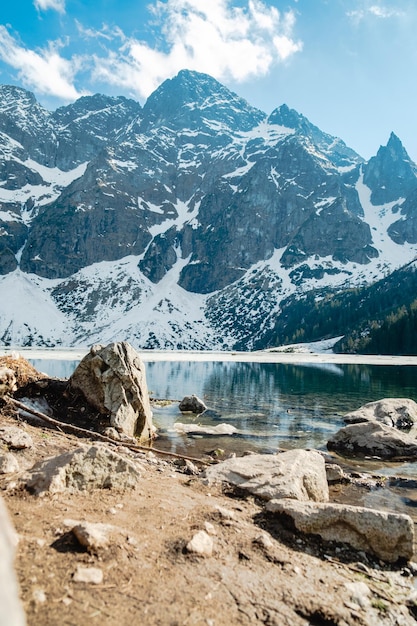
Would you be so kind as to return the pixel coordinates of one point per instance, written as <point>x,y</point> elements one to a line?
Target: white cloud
<point>44,5</point>
<point>228,42</point>
<point>375,10</point>
<point>44,70</point>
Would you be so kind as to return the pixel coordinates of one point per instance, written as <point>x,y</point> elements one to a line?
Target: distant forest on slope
<point>378,319</point>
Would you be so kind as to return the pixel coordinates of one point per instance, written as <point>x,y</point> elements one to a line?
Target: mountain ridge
<point>186,223</point>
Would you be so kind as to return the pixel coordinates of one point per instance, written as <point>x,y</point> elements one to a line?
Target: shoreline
<point>267,356</point>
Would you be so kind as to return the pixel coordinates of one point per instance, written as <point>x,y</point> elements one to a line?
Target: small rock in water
<point>192,404</point>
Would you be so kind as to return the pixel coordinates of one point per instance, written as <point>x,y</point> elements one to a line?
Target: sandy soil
<point>259,573</point>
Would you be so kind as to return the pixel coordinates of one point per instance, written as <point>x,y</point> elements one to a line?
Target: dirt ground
<point>259,572</point>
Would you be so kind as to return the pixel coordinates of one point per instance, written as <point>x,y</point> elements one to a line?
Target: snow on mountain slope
<point>28,315</point>
<point>188,223</point>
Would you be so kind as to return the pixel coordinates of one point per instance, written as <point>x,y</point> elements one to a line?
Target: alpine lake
<point>272,406</point>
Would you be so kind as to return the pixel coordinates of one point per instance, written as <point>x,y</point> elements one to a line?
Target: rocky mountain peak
<point>334,148</point>
<point>284,116</point>
<point>95,104</point>
<point>391,174</point>
<point>192,98</point>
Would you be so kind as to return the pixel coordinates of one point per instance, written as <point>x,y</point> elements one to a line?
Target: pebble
<point>15,438</point>
<point>201,544</point>
<point>264,541</point>
<point>91,575</point>
<point>225,513</point>
<point>210,528</point>
<point>8,463</point>
<point>359,593</point>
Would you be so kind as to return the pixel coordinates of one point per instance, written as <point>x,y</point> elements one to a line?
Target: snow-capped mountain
<point>185,223</point>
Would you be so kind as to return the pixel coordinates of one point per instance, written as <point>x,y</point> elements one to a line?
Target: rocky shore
<point>107,533</point>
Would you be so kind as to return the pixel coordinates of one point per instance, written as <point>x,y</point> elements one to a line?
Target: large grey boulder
<point>389,536</point>
<point>373,439</point>
<point>298,474</point>
<point>112,380</point>
<point>11,610</point>
<point>83,469</point>
<point>399,413</point>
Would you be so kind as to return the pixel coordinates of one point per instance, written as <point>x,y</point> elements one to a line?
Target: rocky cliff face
<point>185,223</point>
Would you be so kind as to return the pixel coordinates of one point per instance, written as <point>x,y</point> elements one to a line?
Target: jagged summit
<point>391,174</point>
<point>333,147</point>
<point>192,97</point>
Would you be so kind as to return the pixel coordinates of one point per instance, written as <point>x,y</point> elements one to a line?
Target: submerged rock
<point>112,379</point>
<point>389,536</point>
<point>298,474</point>
<point>198,429</point>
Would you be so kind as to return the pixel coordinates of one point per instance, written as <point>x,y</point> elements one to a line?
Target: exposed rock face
<point>11,610</point>
<point>84,469</point>
<point>399,413</point>
<point>297,474</point>
<point>390,174</point>
<point>373,439</point>
<point>405,228</point>
<point>389,536</point>
<point>112,379</point>
<point>197,191</point>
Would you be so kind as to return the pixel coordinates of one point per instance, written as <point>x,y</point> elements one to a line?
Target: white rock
<point>225,513</point>
<point>93,536</point>
<point>91,575</point>
<point>8,463</point>
<point>198,429</point>
<point>201,544</point>
<point>359,593</point>
<point>374,439</point>
<point>210,528</point>
<point>83,469</point>
<point>389,536</point>
<point>298,474</point>
<point>15,437</point>
<point>396,412</point>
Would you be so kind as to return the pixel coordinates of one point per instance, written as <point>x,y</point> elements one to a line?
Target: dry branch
<point>98,436</point>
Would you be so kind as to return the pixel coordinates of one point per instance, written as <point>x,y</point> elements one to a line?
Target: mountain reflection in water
<point>272,405</point>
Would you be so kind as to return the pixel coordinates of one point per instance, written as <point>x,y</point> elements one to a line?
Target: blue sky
<point>350,66</point>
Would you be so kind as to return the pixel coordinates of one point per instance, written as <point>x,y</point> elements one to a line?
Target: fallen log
<point>77,430</point>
